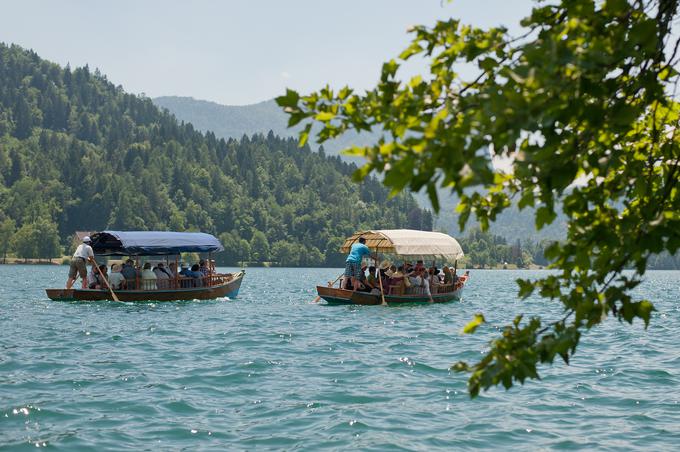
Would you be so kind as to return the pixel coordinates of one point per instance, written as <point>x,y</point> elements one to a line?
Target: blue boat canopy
<point>153,243</point>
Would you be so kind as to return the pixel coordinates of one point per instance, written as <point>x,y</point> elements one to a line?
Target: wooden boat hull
<point>229,289</point>
<point>334,295</point>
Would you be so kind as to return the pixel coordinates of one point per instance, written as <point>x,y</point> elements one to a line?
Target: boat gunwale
<point>94,294</point>
<point>344,296</point>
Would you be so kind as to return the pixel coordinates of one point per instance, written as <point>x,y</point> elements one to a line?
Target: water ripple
<point>271,370</point>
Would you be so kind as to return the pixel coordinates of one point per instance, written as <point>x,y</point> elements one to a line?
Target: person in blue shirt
<point>194,274</point>
<point>353,262</point>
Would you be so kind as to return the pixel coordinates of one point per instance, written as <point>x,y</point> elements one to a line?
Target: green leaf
<point>616,7</point>
<point>488,64</point>
<point>389,70</point>
<point>290,99</point>
<point>304,135</point>
<point>526,288</point>
<point>434,197</point>
<point>295,118</point>
<point>460,366</point>
<point>324,116</point>
<point>474,324</point>
<point>644,310</point>
<point>544,215</point>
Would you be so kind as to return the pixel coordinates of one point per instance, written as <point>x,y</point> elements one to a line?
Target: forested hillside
<point>229,121</point>
<point>78,153</point>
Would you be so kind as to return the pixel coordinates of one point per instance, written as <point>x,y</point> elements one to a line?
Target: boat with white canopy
<point>404,245</point>
<point>158,246</point>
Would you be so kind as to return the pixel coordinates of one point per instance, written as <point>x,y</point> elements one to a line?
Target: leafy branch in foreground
<point>584,106</point>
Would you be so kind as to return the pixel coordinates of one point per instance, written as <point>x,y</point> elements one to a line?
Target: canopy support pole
<point>177,271</point>
<point>382,292</point>
<point>210,269</point>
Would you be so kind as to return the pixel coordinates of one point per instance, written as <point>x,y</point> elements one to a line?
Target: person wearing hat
<point>81,257</point>
<point>384,268</point>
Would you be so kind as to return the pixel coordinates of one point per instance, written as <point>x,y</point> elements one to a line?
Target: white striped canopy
<point>408,243</point>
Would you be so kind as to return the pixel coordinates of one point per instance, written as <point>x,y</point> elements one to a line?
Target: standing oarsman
<point>81,257</point>
<point>353,262</point>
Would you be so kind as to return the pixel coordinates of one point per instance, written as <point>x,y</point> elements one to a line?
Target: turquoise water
<point>271,370</point>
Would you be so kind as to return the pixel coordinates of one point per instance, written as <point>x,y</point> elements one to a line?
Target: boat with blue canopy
<point>158,247</point>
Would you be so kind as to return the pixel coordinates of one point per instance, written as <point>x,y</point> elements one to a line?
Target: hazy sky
<point>234,52</point>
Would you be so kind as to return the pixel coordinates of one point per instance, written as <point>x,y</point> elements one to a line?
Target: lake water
<point>271,370</point>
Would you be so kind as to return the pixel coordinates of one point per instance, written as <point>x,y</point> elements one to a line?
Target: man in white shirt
<point>81,257</point>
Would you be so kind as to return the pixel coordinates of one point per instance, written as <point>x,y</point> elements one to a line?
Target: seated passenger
<point>398,283</point>
<point>197,275</point>
<point>435,282</point>
<point>448,276</point>
<point>130,274</point>
<point>148,278</point>
<point>116,278</point>
<point>186,273</point>
<point>382,274</point>
<point>92,278</point>
<point>371,280</point>
<point>417,282</point>
<point>172,270</point>
<point>426,284</point>
<point>361,279</point>
<point>162,276</point>
<point>203,268</point>
<point>97,281</point>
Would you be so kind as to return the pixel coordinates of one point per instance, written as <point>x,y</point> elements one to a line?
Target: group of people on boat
<point>395,280</point>
<point>131,276</point>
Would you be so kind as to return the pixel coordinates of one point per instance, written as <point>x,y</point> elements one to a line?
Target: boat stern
<point>61,294</point>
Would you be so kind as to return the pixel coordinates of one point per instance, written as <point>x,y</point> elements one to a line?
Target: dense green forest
<point>78,153</point>
<point>487,250</point>
<point>230,121</point>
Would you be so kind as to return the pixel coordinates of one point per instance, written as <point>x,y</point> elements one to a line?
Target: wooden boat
<point>158,244</point>
<point>406,244</point>
<point>225,285</point>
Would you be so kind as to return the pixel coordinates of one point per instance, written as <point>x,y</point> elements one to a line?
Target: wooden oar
<point>382,292</point>
<point>106,281</point>
<point>330,284</point>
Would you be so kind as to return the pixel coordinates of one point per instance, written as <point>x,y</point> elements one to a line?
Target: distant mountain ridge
<point>235,121</point>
